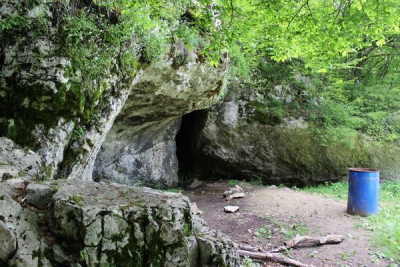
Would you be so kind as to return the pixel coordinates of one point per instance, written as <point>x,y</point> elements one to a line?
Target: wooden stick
<point>272,257</point>
<point>308,241</point>
<point>297,242</point>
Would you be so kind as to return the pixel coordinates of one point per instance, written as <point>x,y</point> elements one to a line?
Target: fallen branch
<point>297,242</point>
<point>266,256</point>
<point>308,241</point>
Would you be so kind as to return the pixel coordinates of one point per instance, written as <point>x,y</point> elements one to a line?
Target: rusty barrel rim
<point>363,170</point>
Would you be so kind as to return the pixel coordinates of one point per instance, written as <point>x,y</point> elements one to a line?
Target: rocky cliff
<point>237,139</point>
<point>74,72</point>
<point>92,92</point>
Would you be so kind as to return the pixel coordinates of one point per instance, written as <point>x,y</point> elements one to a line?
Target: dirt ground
<point>269,216</point>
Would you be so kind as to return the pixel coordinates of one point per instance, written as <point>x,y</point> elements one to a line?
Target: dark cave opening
<point>186,150</point>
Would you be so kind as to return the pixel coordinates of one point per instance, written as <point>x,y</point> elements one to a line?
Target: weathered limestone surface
<point>233,145</point>
<point>25,246</point>
<point>45,96</point>
<point>140,147</point>
<point>18,163</point>
<point>97,224</point>
<point>83,151</point>
<point>8,243</point>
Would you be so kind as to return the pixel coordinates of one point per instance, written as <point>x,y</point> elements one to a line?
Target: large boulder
<point>96,224</point>
<point>121,225</point>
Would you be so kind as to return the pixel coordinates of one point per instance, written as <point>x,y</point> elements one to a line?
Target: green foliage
<point>189,35</point>
<point>76,198</point>
<point>16,23</point>
<point>338,189</point>
<point>298,228</point>
<point>78,132</point>
<point>256,182</point>
<point>344,47</point>
<point>270,113</point>
<point>247,262</point>
<point>173,190</point>
<point>12,22</point>
<point>232,183</point>
<point>386,225</point>
<point>263,232</point>
<point>186,229</point>
<point>239,63</point>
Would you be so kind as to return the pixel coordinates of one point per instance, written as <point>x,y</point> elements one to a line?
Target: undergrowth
<point>385,225</point>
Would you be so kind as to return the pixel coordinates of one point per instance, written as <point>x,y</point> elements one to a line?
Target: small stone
<point>349,236</point>
<point>231,208</point>
<point>195,209</point>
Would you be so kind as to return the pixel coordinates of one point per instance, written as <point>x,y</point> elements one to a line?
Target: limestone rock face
<point>39,195</point>
<point>116,223</point>
<point>43,93</point>
<point>8,243</point>
<point>63,107</point>
<point>22,226</point>
<point>148,160</point>
<point>140,147</point>
<point>232,145</point>
<point>97,224</point>
<point>18,163</point>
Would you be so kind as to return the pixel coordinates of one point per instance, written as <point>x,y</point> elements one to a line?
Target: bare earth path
<point>269,216</point>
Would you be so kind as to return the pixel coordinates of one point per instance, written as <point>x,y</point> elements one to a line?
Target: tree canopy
<point>325,35</point>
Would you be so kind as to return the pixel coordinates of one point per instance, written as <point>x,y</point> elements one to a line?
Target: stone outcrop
<point>89,107</point>
<point>24,243</point>
<point>8,243</point>
<point>140,147</point>
<point>16,162</point>
<point>95,224</point>
<point>230,142</point>
<point>43,94</point>
<point>63,108</point>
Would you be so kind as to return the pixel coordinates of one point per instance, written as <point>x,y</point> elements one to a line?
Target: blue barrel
<point>363,191</point>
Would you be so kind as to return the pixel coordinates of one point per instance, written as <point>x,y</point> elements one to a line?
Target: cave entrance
<point>191,125</point>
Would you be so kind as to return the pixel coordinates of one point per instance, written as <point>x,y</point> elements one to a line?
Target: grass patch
<point>338,190</point>
<point>263,232</point>
<point>295,229</point>
<point>247,262</point>
<point>256,183</point>
<point>385,225</point>
<point>173,190</point>
<point>233,182</point>
<point>386,231</point>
